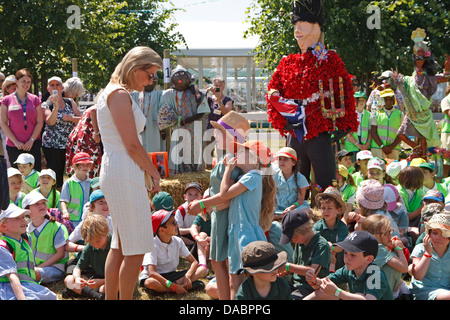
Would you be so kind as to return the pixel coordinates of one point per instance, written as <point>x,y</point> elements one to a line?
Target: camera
<point>217,90</point>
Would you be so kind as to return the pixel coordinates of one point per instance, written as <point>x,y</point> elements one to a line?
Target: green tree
<point>35,34</point>
<point>363,49</point>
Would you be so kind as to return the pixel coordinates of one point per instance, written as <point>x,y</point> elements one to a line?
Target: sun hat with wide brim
<point>234,124</point>
<point>331,192</point>
<point>370,194</point>
<point>287,152</point>
<point>262,257</point>
<point>263,152</point>
<point>440,221</point>
<point>8,80</point>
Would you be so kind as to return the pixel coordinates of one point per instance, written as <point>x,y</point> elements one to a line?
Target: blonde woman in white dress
<point>124,165</point>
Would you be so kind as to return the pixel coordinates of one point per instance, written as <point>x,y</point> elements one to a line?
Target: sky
<point>213,23</point>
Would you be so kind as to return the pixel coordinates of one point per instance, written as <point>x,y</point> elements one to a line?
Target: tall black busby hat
<point>308,10</point>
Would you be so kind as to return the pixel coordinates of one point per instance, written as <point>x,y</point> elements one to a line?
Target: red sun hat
<point>259,148</point>
<point>82,157</point>
<point>159,217</point>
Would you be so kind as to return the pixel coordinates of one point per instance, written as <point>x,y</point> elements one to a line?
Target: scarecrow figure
<point>314,87</point>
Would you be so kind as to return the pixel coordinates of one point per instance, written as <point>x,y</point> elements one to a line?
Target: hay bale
<point>174,185</point>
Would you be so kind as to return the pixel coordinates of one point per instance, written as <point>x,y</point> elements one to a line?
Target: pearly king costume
<point>310,97</point>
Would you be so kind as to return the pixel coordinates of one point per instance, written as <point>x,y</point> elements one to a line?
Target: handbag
<point>148,182</point>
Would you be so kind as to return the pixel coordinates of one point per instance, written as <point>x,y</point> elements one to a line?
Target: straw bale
<point>174,185</point>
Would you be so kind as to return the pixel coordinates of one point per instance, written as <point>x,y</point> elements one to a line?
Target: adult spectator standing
<point>125,164</point>
<point>219,104</point>
<point>21,119</point>
<point>85,137</point>
<point>8,87</point>
<point>60,115</point>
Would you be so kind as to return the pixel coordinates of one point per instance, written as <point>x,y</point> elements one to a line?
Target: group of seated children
<point>381,221</point>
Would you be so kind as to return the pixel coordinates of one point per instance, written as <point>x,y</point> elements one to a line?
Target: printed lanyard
<point>24,108</point>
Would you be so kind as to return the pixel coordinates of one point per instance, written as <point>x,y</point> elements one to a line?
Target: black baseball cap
<point>360,241</point>
<point>343,153</point>
<point>292,220</point>
<point>195,185</point>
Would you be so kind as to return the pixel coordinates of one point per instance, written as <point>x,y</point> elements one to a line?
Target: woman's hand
<point>28,145</point>
<point>96,137</point>
<point>68,117</point>
<point>156,186</point>
<point>54,101</point>
<point>427,245</point>
<point>19,145</point>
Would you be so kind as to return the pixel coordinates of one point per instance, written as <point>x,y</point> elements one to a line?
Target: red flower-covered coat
<point>297,77</point>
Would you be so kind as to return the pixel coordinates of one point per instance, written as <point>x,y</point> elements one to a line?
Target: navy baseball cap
<point>292,220</point>
<point>360,241</point>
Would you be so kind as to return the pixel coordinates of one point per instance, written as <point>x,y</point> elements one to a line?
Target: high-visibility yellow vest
<point>387,127</point>
<point>364,126</point>
<point>75,206</point>
<point>23,256</point>
<point>42,245</point>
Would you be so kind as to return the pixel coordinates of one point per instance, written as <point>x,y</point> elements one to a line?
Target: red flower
<point>297,77</point>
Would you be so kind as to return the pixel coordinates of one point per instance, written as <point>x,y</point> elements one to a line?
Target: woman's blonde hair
<point>137,58</point>
<point>94,226</point>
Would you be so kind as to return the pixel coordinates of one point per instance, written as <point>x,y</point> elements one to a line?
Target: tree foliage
<point>35,35</point>
<point>346,30</point>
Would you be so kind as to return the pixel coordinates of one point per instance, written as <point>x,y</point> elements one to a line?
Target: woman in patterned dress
<point>85,137</point>
<point>60,116</point>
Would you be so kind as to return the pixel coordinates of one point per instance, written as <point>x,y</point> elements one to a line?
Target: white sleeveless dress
<point>122,182</point>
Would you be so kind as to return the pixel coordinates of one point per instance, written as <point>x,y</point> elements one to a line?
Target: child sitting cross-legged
<point>160,274</point>
<point>365,280</point>
<point>88,277</point>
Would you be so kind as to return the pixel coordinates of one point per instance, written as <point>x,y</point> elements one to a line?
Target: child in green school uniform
<point>362,159</point>
<point>365,280</point>
<point>48,239</point>
<point>362,139</point>
<point>311,251</point>
<point>347,188</point>
<point>15,183</point>
<point>47,187</point>
<point>331,227</point>
<point>25,164</point>
<point>429,181</point>
<point>345,158</point>
<point>75,190</point>
<point>261,261</point>
<point>410,189</point>
<point>17,275</point>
